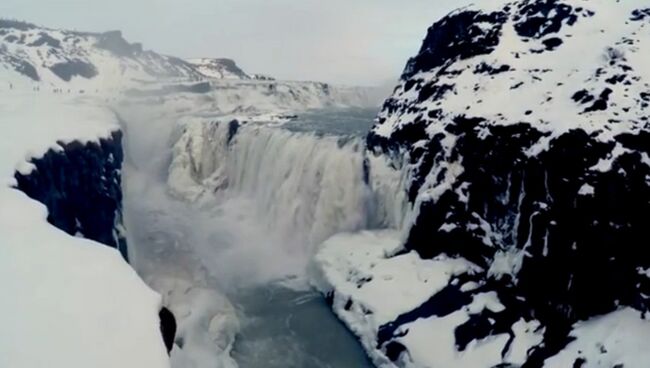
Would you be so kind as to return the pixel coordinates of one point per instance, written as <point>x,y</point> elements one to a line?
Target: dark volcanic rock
<point>113,42</point>
<point>73,68</point>
<point>46,39</point>
<point>545,188</point>
<point>25,69</point>
<point>81,187</point>
<point>167,327</point>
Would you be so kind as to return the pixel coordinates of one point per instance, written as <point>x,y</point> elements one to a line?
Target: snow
<point>358,268</point>
<point>616,339</point>
<point>207,324</point>
<point>586,190</point>
<point>431,343</point>
<point>537,89</point>
<point>361,272</point>
<point>547,80</point>
<point>70,302</point>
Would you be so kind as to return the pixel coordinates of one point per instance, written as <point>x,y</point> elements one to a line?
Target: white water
<point>304,187</point>
<point>262,203</point>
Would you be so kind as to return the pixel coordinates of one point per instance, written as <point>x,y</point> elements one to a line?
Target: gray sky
<point>341,41</point>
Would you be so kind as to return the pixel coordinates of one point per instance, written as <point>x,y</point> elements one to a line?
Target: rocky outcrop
<point>167,327</point>
<point>115,43</point>
<point>81,186</point>
<point>219,68</point>
<point>526,138</point>
<point>63,58</point>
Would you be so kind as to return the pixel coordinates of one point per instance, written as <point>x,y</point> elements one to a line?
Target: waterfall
<point>306,187</point>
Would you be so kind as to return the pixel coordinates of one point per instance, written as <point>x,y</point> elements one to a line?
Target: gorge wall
<point>81,186</point>
<point>525,137</point>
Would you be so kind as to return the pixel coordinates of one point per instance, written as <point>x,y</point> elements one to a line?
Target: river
<point>224,271</point>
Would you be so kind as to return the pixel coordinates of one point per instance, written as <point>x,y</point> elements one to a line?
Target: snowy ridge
<point>219,68</point>
<point>541,76</point>
<point>523,134</point>
<point>74,302</point>
<point>105,64</point>
<point>89,61</point>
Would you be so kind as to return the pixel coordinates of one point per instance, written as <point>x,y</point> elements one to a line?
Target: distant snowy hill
<point>58,57</point>
<point>523,134</point>
<point>219,68</point>
<point>71,300</point>
<point>105,63</point>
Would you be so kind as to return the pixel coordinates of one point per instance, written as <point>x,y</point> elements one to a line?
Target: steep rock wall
<point>526,136</point>
<point>81,187</point>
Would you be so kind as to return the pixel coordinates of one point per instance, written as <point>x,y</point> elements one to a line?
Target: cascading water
<point>306,187</point>
<point>256,200</point>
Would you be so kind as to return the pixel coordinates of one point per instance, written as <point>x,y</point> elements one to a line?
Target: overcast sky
<point>342,41</point>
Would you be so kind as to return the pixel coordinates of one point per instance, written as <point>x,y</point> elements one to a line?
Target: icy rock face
<point>81,187</point>
<point>527,141</point>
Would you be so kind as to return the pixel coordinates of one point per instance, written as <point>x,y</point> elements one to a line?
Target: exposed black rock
<point>537,19</point>
<point>73,68</point>
<point>563,200</point>
<point>601,102</point>
<point>81,187</point>
<point>232,67</point>
<point>24,68</point>
<point>233,127</point>
<point>459,36</point>
<point>484,68</point>
<point>167,327</point>
<point>113,42</point>
<point>447,301</point>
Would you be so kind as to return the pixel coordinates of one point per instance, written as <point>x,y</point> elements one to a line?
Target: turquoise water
<point>342,122</point>
<point>285,328</point>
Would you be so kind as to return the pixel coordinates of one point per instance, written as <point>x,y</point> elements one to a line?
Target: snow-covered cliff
<point>81,187</point>
<point>70,301</point>
<point>523,131</point>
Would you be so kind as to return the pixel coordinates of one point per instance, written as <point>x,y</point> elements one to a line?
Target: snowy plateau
<point>492,214</point>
